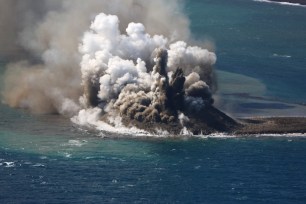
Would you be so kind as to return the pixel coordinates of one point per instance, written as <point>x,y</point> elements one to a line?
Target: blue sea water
<point>261,69</point>
<point>257,39</point>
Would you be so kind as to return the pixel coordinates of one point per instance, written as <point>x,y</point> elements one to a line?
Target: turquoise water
<point>261,68</point>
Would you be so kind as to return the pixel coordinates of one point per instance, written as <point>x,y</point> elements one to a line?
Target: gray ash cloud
<point>172,96</point>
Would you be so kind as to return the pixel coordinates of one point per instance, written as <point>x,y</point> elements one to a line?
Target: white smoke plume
<point>141,76</point>
<point>47,34</point>
<point>109,58</point>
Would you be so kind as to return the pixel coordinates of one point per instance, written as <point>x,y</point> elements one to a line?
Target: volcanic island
<point>170,112</point>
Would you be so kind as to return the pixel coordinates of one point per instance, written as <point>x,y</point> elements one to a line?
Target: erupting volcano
<point>123,66</point>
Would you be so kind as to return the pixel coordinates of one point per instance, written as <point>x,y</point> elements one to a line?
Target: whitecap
<point>76,143</point>
<point>38,165</point>
<point>197,167</point>
<point>281,3</point>
<point>281,56</point>
<point>9,164</point>
<point>67,155</point>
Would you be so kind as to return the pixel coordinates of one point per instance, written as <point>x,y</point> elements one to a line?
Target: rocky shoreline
<point>272,125</point>
<point>213,121</point>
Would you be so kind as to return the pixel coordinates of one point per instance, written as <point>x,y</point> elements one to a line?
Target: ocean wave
<point>38,165</point>
<point>282,3</point>
<point>75,143</point>
<point>281,56</point>
<point>8,164</point>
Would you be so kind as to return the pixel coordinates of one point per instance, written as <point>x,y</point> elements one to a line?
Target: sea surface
<point>261,67</point>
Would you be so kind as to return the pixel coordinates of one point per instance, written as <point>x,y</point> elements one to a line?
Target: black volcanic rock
<point>207,121</point>
<point>272,125</point>
<point>175,92</point>
<point>212,121</point>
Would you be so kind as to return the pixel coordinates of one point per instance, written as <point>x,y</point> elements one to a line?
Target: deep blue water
<point>245,170</point>
<point>47,159</point>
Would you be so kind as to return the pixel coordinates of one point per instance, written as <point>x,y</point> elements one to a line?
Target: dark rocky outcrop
<point>178,107</point>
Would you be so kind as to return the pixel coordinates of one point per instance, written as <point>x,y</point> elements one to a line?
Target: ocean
<point>260,68</point>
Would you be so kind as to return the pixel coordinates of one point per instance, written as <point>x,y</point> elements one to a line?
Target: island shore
<point>213,121</point>
<point>273,125</point>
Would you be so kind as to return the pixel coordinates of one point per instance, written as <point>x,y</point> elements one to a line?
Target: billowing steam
<point>103,60</point>
<point>142,77</point>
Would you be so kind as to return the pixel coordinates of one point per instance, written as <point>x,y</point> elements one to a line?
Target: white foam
<point>215,135</point>
<point>281,56</point>
<point>281,3</point>
<point>161,132</point>
<point>38,165</point>
<point>291,135</point>
<point>75,143</point>
<point>91,118</point>
<point>67,155</point>
<point>9,164</point>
